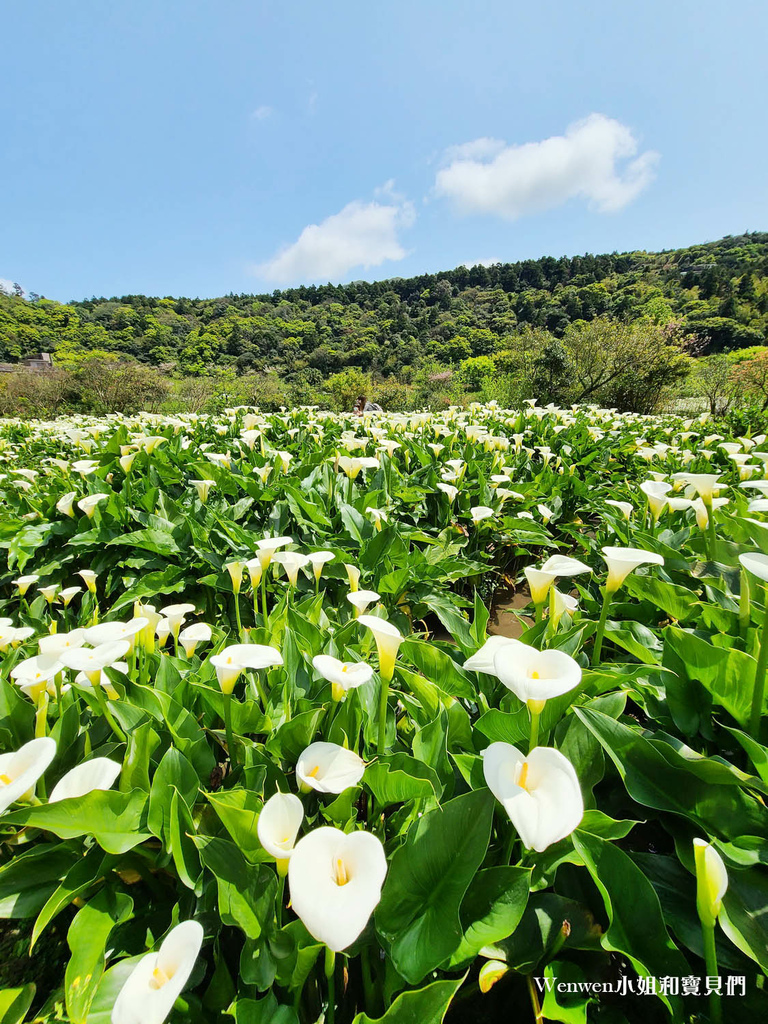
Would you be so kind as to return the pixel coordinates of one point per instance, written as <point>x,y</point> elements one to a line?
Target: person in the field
<point>363,404</point>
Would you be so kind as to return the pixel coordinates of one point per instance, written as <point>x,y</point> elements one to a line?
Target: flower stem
<point>41,715</point>
<point>228,729</point>
<point>237,618</point>
<point>534,734</point>
<point>711,530</point>
<point>597,649</point>
<point>535,1004</point>
<point>710,958</point>
<point>760,669</point>
<point>381,743</point>
<point>264,596</point>
<point>330,974</point>
<point>103,707</point>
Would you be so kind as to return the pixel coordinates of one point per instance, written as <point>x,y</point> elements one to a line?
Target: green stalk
<point>264,596</point>
<point>711,530</point>
<point>237,617</point>
<point>743,603</point>
<point>710,958</point>
<point>369,992</point>
<point>534,996</point>
<point>102,702</point>
<point>41,715</point>
<point>759,687</point>
<point>381,743</point>
<point>596,650</point>
<point>228,729</point>
<point>534,734</point>
<point>538,612</point>
<point>330,974</point>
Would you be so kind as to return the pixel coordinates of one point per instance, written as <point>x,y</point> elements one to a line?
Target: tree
<point>752,377</point>
<point>625,365</point>
<point>715,378</point>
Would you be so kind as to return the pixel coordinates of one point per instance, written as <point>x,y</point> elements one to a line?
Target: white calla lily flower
<point>335,880</point>
<point>342,675</point>
<point>540,792</point>
<point>98,773</point>
<point>328,768</point>
<point>278,825</point>
<point>534,675</point>
<point>159,978</point>
<point>622,561</point>
<point>21,769</point>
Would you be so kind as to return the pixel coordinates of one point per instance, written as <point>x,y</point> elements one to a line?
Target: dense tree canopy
<point>717,292</point>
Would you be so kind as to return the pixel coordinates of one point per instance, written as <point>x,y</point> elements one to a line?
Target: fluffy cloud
<point>595,160</point>
<point>6,285</point>
<point>361,235</point>
<point>261,113</point>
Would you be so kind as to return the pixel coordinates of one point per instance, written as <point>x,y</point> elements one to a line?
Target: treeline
<point>716,293</point>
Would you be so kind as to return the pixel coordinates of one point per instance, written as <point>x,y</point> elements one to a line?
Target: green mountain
<point>717,292</point>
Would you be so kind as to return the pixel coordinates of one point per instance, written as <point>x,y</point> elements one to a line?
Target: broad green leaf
<point>246,891</point>
<point>671,783</point>
<point>491,909</point>
<point>636,923</point>
<point>87,938</point>
<point>115,820</point>
<point>30,878</point>
<point>427,1005</point>
<point>428,876</point>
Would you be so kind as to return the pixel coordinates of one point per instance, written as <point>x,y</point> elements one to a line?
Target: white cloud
<point>595,160</point>
<point>481,263</point>
<point>262,113</point>
<point>361,235</point>
<point>6,285</point>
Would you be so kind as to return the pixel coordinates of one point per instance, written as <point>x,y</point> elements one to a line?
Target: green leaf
<point>428,876</point>
<point>427,1005</point>
<point>29,879</point>
<point>728,674</point>
<point>15,1003</point>
<point>395,778</point>
<point>246,891</point>
<point>173,772</point>
<point>262,1011</point>
<point>636,923</point>
<point>670,782</point>
<point>491,909</point>
<point>87,939</point>
<point>115,820</point>
<point>78,880</point>
<point>181,833</point>
<point>238,810</point>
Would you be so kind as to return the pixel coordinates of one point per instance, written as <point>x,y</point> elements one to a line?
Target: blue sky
<point>182,147</point>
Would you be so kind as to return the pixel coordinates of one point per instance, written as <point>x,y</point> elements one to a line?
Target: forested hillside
<point>717,292</point>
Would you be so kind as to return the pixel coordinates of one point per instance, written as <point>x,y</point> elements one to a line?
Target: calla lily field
<point>267,753</point>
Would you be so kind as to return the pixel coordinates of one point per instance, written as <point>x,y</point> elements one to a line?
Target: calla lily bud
<point>235,570</point>
<point>711,881</point>
<point>88,577</point>
<point>159,978</point>
<point>353,575</point>
<point>388,639</point>
<point>278,826</point>
<point>335,880</point>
